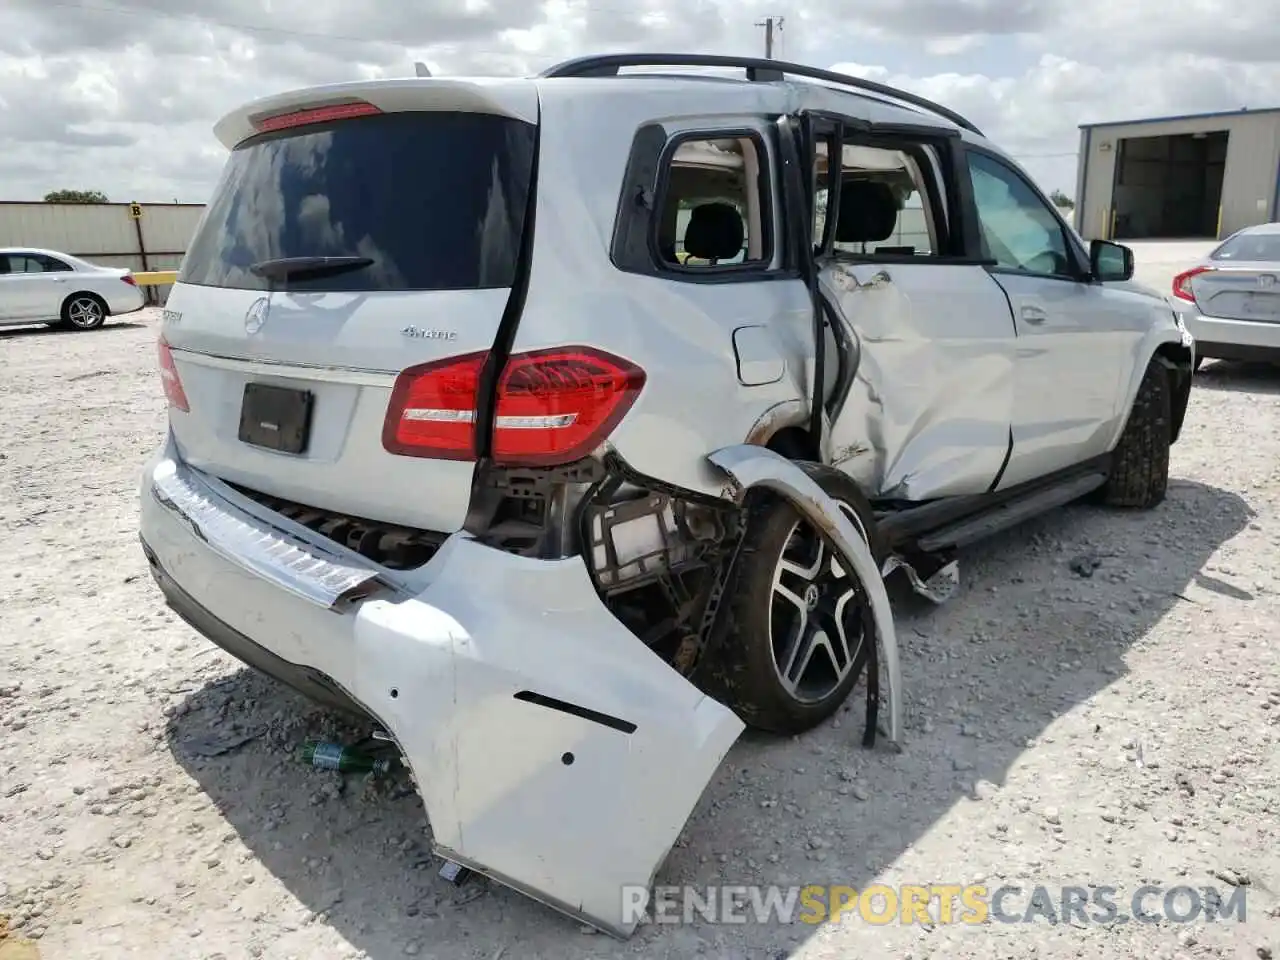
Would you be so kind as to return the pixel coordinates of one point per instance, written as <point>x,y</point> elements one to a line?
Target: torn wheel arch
<point>748,468</point>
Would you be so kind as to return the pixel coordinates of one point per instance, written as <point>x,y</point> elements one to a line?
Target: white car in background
<point>43,286</point>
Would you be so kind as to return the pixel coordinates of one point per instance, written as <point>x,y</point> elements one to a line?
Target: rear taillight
<point>433,408</point>
<point>553,406</point>
<point>169,378</point>
<point>1182,283</point>
<point>298,118</point>
<point>128,278</point>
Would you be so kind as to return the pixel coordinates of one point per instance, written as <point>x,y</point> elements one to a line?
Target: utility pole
<point>769,23</point>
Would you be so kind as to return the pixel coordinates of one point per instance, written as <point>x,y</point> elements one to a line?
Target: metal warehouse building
<point>1179,178</point>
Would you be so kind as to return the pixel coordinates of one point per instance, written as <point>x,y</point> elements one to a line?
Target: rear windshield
<point>435,200</point>
<point>1250,246</point>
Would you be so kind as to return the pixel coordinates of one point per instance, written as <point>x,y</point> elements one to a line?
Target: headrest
<point>715,232</point>
<point>868,212</point>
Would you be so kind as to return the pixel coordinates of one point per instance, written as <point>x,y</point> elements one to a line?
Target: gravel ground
<point>1099,704</point>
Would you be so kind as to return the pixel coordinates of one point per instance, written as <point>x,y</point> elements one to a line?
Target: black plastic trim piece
<point>757,70</point>
<point>903,525</point>
<point>576,710</point>
<point>638,201</point>
<point>850,350</point>
<point>1004,464</point>
<point>500,351</point>
<point>1011,513</point>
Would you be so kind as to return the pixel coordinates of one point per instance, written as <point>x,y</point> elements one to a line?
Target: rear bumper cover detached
<point>553,751</point>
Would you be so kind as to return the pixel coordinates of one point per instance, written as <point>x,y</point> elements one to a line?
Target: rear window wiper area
<point>294,268</point>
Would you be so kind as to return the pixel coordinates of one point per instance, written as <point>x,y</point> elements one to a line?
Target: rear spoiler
<point>505,97</point>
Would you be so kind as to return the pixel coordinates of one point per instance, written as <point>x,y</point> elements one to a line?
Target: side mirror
<point>1110,262</point>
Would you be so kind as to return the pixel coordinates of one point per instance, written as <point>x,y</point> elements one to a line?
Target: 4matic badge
<point>419,333</point>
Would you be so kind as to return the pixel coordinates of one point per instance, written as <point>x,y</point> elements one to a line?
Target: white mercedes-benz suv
<point>564,425</point>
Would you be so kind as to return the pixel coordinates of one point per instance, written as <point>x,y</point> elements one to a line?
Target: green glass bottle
<point>324,755</point>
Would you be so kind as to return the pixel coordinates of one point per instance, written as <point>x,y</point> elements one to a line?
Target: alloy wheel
<point>85,313</point>
<point>816,626</point>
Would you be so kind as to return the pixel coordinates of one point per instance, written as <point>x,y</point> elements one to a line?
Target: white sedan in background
<point>43,286</point>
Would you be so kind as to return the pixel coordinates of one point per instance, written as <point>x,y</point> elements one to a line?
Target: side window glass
<point>885,208</point>
<point>31,265</point>
<point>7,266</point>
<point>713,214</point>
<point>1018,229</point>
<point>50,265</point>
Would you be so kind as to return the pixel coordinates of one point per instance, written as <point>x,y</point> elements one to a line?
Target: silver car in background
<point>1230,300</point>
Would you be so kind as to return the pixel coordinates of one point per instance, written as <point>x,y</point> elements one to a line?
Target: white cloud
<point>121,95</point>
<point>949,46</point>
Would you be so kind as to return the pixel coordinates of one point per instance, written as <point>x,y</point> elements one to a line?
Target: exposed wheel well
<point>794,443</point>
<point>1177,360</point>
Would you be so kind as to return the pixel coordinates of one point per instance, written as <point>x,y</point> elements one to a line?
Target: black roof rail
<point>757,68</point>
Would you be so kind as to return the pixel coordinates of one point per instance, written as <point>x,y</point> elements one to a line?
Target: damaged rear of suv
<point>563,425</point>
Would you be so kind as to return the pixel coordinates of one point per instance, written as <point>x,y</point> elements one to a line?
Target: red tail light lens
<point>1182,283</point>
<point>554,406</point>
<point>170,380</point>
<point>433,410</point>
<point>128,278</point>
<point>298,118</point>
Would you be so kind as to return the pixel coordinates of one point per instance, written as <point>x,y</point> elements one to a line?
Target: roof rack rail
<point>758,69</point>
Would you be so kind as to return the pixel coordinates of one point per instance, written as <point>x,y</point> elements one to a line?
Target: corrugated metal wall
<point>103,232</point>
<point>1248,184</point>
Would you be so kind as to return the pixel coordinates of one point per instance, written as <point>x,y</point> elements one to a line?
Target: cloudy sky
<point>121,95</point>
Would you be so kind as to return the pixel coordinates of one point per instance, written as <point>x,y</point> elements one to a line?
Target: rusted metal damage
<point>782,416</point>
<point>790,413</point>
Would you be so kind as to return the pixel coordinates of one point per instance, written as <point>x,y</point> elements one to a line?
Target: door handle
<point>1034,315</point>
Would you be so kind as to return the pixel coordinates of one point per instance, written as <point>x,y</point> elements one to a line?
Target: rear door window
<point>49,264</point>
<point>435,200</point>
<point>897,177</point>
<point>1250,246</point>
<point>714,205</point>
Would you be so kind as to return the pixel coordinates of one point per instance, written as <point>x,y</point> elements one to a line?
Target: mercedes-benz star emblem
<point>256,316</point>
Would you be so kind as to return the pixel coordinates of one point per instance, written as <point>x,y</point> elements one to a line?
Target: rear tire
<point>83,311</point>
<point>800,625</point>
<point>1140,466</point>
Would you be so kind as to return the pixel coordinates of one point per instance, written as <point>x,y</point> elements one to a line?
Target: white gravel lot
<point>1115,729</point>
